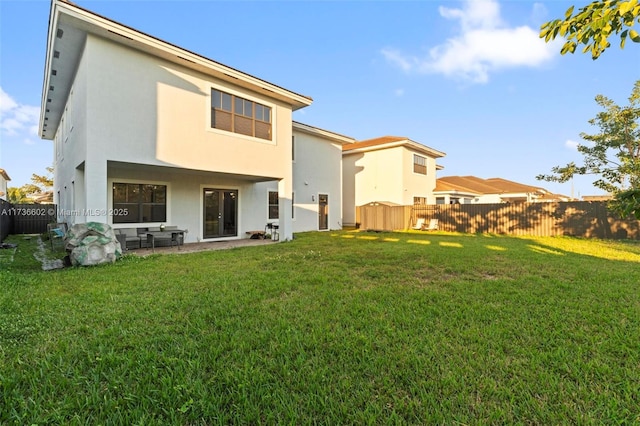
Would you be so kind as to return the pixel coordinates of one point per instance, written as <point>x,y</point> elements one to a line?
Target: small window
<point>419,200</point>
<point>273,205</point>
<point>419,164</point>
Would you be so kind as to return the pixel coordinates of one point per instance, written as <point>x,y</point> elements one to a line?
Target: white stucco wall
<point>162,116</point>
<point>317,169</point>
<point>70,153</point>
<point>185,201</point>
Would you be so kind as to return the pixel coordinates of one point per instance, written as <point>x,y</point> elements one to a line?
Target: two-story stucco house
<point>147,133</point>
<point>389,169</point>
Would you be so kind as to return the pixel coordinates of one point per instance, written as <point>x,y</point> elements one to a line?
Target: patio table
<point>168,234</point>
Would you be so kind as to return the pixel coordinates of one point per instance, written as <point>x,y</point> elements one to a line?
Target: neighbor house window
<point>273,205</point>
<point>419,200</point>
<point>419,164</point>
<point>235,114</point>
<point>139,203</point>
<point>439,200</point>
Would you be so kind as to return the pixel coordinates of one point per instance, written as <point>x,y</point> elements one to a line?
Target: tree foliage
<point>612,154</point>
<point>593,24</point>
<point>40,183</point>
<point>43,181</point>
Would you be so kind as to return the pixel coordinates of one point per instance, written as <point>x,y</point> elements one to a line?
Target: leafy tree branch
<point>593,24</point>
<point>612,154</point>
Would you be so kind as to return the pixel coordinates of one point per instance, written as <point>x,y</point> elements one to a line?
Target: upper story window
<point>419,200</point>
<point>419,164</point>
<point>235,114</point>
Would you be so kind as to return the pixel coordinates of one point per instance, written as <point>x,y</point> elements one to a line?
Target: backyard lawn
<point>331,328</point>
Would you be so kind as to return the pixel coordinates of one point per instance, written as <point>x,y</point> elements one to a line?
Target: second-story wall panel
<point>162,116</point>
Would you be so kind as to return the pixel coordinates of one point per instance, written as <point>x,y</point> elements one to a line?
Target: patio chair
<point>419,224</point>
<point>433,225</point>
<point>56,231</point>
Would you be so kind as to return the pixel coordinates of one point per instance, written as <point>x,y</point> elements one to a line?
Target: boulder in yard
<point>92,243</point>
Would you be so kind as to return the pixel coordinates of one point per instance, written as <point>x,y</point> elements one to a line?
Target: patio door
<point>220,216</point>
<point>323,211</point>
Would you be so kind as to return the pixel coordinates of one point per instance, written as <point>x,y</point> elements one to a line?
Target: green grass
<point>332,328</point>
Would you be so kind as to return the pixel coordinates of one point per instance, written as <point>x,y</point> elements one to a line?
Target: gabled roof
<point>69,25</point>
<point>469,184</point>
<point>4,174</point>
<point>511,186</point>
<point>386,142</point>
<point>476,185</point>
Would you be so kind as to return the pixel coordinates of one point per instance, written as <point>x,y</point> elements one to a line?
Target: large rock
<point>92,243</point>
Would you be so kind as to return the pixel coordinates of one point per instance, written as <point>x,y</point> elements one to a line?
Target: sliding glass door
<point>220,214</point>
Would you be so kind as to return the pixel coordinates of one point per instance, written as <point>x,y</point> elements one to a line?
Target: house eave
<point>414,146</point>
<point>326,134</point>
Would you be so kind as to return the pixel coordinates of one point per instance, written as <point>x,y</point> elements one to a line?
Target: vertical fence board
<point>33,218</point>
<point>6,219</point>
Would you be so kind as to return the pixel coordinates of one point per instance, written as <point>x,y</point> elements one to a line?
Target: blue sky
<point>470,78</point>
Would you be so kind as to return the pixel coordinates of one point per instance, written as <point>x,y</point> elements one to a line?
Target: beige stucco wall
<point>387,175</point>
<point>416,184</point>
<point>384,175</point>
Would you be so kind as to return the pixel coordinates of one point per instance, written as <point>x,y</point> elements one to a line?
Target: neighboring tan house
<point>475,190</point>
<point>147,133</point>
<point>389,169</point>
<point>4,184</point>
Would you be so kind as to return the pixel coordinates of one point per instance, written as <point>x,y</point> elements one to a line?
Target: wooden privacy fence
<point>31,218</point>
<point>576,218</point>
<point>6,219</point>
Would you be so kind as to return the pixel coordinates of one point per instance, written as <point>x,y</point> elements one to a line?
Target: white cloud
<point>484,44</point>
<point>16,118</point>
<point>398,92</point>
<point>539,14</point>
<point>571,144</point>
